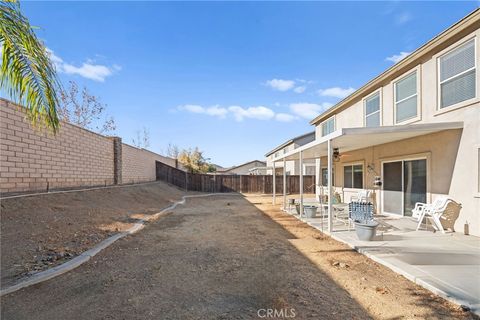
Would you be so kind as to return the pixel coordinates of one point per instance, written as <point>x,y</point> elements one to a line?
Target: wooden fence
<point>232,183</point>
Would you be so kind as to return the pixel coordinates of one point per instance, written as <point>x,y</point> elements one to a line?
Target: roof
<point>468,24</point>
<point>286,143</point>
<point>241,165</point>
<point>348,139</point>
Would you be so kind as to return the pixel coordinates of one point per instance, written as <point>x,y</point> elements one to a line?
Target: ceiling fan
<point>337,155</point>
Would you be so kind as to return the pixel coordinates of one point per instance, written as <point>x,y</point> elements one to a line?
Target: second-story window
<point>457,75</point>
<point>328,126</point>
<point>406,98</point>
<point>372,110</point>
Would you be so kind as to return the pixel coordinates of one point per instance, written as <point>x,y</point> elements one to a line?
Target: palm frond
<point>26,71</point>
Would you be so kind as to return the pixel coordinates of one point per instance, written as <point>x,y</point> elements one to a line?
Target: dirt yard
<point>39,232</point>
<point>227,257</point>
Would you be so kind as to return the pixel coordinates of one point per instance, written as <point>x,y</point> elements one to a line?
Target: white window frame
<point>332,173</point>
<point>380,109</point>
<point>352,164</point>
<point>477,165</point>
<point>324,122</point>
<point>418,117</point>
<point>438,56</point>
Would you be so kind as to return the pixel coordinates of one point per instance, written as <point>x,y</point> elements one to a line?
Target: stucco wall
<point>454,163</point>
<point>449,172</point>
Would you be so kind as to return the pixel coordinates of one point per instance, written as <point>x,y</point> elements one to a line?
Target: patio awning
<point>348,139</point>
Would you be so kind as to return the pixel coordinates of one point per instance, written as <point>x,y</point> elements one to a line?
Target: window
<point>328,126</point>
<point>325,177</point>
<point>478,170</point>
<point>372,110</point>
<point>457,75</point>
<point>406,98</point>
<point>309,170</point>
<point>353,176</point>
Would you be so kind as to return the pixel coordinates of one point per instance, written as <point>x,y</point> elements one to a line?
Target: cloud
<point>280,84</point>
<point>297,85</point>
<point>300,89</point>
<point>260,113</point>
<point>215,111</point>
<point>285,117</point>
<point>336,92</point>
<point>309,110</point>
<point>239,113</point>
<point>89,69</point>
<point>397,57</point>
<point>403,18</point>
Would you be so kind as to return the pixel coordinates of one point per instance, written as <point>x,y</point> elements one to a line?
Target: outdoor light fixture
<point>336,155</point>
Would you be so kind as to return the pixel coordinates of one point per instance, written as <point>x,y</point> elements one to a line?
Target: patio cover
<point>347,139</point>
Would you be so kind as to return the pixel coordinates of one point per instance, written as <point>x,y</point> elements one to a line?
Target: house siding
<point>453,154</point>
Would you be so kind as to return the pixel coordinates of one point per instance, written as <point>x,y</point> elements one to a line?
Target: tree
<point>173,151</point>
<point>143,138</point>
<point>194,161</point>
<point>211,168</point>
<point>26,71</point>
<point>88,113</point>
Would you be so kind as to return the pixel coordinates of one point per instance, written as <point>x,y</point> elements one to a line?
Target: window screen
<point>372,111</point>
<point>325,177</point>
<point>328,126</point>
<point>353,176</point>
<point>458,75</point>
<point>406,98</point>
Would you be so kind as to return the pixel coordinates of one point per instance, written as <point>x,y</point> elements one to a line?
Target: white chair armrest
<point>417,211</point>
<point>419,206</point>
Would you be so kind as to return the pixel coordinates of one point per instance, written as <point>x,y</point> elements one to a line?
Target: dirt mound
<point>41,231</point>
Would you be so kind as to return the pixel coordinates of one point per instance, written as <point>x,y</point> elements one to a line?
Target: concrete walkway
<point>446,264</point>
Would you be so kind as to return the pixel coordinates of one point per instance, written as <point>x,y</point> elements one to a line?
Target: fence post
<point>264,185</point>
<point>186,181</point>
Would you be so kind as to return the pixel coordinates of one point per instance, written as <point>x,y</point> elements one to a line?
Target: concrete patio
<point>446,264</point>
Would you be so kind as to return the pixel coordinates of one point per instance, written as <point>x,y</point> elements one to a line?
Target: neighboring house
<point>292,166</point>
<point>243,169</point>
<point>416,127</point>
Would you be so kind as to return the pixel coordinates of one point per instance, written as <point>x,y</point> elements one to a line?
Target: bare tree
<point>142,139</point>
<point>85,110</point>
<point>173,151</point>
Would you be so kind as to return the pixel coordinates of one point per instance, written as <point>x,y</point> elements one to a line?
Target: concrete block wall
<point>138,165</point>
<point>34,160</point>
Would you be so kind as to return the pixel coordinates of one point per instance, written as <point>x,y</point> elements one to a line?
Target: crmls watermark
<point>276,313</point>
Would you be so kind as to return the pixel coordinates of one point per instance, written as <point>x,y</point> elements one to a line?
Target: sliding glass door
<point>404,184</point>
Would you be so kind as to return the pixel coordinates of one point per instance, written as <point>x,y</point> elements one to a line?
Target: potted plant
<point>362,215</point>
<point>366,230</point>
<point>310,211</point>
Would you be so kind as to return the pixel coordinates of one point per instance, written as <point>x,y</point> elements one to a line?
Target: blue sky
<point>235,79</point>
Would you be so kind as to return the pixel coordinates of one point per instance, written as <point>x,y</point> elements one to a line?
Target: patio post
<point>284,185</point>
<point>329,184</point>
<point>273,176</point>
<point>301,183</point>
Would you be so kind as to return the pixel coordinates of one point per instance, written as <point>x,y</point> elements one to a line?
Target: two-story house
<point>415,128</point>
<point>291,167</point>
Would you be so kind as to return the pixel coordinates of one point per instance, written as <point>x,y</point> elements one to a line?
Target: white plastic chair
<point>433,210</point>
<point>362,196</point>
